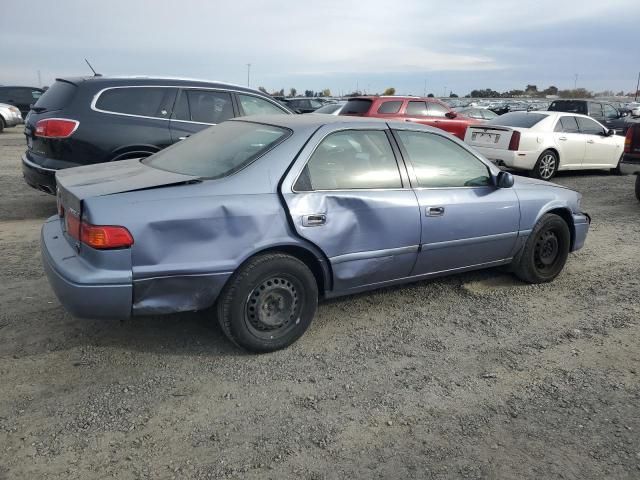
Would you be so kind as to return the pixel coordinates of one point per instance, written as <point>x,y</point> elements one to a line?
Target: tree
<point>430,95</point>
<point>308,93</point>
<point>389,91</point>
<point>292,92</point>
<point>325,93</point>
<point>486,93</point>
<point>453,95</point>
<point>551,90</point>
<point>262,89</point>
<point>531,89</point>
<point>575,93</point>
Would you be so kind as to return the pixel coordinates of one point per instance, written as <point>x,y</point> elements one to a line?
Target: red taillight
<point>514,143</point>
<point>628,140</point>
<point>56,128</point>
<point>102,237</point>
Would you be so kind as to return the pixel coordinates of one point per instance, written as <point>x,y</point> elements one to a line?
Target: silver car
<point>9,116</point>
<point>260,217</point>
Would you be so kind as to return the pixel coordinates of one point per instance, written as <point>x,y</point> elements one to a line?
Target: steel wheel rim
<point>547,251</point>
<point>273,307</point>
<point>547,166</point>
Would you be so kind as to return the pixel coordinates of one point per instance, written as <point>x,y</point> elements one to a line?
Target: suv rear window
<point>568,106</point>
<point>56,97</point>
<point>143,101</point>
<point>517,119</point>
<point>357,106</point>
<point>219,151</point>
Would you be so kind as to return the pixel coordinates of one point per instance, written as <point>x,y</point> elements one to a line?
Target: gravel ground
<point>470,376</point>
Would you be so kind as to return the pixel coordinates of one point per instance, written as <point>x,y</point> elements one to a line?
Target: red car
<point>427,111</point>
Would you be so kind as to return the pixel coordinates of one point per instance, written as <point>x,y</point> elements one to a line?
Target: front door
<point>602,151</point>
<point>465,220</point>
<point>348,196</point>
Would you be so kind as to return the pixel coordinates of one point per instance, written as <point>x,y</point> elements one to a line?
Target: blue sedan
<point>257,218</point>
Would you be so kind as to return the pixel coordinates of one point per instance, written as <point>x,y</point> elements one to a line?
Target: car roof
<point>104,82</point>
<point>392,97</point>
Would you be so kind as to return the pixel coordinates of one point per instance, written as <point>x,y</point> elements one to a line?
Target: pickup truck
<point>630,164</point>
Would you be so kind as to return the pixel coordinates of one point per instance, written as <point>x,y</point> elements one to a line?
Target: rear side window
<point>142,101</point>
<point>252,105</point>
<point>569,106</point>
<point>567,125</point>
<point>357,106</point>
<point>440,163</point>
<point>57,97</point>
<point>517,119</point>
<point>392,106</point>
<point>348,160</point>
<point>218,151</point>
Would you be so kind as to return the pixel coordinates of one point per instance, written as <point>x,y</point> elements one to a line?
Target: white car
<point>9,116</point>
<point>546,142</point>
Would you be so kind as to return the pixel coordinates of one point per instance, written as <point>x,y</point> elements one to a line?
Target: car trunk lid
<point>489,136</point>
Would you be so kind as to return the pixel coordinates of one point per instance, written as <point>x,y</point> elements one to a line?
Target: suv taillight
<point>56,128</point>
<point>514,143</point>
<point>101,237</point>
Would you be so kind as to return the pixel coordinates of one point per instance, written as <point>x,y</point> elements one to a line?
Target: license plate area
<point>485,137</point>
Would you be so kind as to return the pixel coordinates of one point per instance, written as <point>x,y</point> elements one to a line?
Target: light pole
<point>248,74</point>
<point>575,82</point>
<point>635,97</point>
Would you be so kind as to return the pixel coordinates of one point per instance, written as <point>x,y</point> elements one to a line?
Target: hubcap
<point>547,250</point>
<point>273,305</point>
<point>547,166</point>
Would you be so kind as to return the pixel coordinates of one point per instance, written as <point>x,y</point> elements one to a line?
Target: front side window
<point>220,150</point>
<point>437,110</point>
<point>208,106</point>
<point>143,101</point>
<point>252,105</point>
<point>589,126</point>
<point>610,112</point>
<point>595,110</point>
<point>351,159</point>
<point>390,107</point>
<point>417,109</point>
<point>440,163</point>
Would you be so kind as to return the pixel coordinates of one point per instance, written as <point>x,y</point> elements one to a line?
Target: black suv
<point>21,97</point>
<point>81,121</point>
<point>603,112</point>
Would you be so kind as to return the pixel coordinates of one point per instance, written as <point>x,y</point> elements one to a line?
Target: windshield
<point>517,119</point>
<point>220,150</point>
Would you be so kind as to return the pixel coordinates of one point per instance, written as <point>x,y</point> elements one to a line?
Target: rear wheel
<point>545,252</point>
<point>638,187</point>
<point>546,166</point>
<point>2,124</point>
<point>269,303</point>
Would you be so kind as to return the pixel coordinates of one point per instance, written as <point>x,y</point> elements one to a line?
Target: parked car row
<point>20,97</point>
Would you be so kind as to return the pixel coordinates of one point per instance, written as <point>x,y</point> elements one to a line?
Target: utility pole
<point>248,74</point>
<point>575,82</point>
<point>635,97</point>
<point>424,92</point>
<point>39,79</point>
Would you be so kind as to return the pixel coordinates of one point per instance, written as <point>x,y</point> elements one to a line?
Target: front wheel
<point>546,166</point>
<point>268,303</point>
<point>545,252</point>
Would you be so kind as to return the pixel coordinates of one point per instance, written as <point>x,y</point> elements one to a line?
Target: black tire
<point>547,165</point>
<point>616,170</point>
<point>545,252</point>
<point>268,303</point>
<point>638,187</point>
<point>2,124</point>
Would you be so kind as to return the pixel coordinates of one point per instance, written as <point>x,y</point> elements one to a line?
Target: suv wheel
<point>1,124</point>
<point>546,166</point>
<point>545,252</point>
<point>268,303</point>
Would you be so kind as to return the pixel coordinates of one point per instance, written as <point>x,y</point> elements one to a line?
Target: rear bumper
<point>581,224</point>
<point>85,291</point>
<point>38,177</point>
<point>630,165</point>
<point>510,158</point>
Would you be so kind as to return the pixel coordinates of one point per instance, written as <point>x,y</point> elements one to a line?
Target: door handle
<point>314,220</point>
<point>434,211</point>
<point>562,138</point>
<point>590,141</point>
<point>182,138</point>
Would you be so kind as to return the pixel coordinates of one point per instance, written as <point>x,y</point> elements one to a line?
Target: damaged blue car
<point>256,219</point>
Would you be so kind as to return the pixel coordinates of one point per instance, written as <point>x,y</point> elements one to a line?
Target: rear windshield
<point>568,106</point>
<point>357,105</point>
<point>220,150</point>
<point>332,107</point>
<point>57,96</point>
<point>517,119</point>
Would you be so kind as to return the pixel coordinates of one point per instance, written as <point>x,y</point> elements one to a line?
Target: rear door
<point>601,151</point>
<point>570,141</point>
<point>348,195</point>
<point>197,109</point>
<point>465,220</point>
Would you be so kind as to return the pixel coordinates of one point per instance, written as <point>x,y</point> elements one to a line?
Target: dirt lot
<point>471,376</point>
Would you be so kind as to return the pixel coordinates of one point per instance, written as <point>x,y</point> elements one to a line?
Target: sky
<point>415,46</point>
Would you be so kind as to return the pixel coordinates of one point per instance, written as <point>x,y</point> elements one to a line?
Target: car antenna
<point>95,74</point>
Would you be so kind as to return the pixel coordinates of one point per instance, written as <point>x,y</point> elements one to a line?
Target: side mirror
<point>610,132</point>
<point>451,114</point>
<point>504,180</point>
